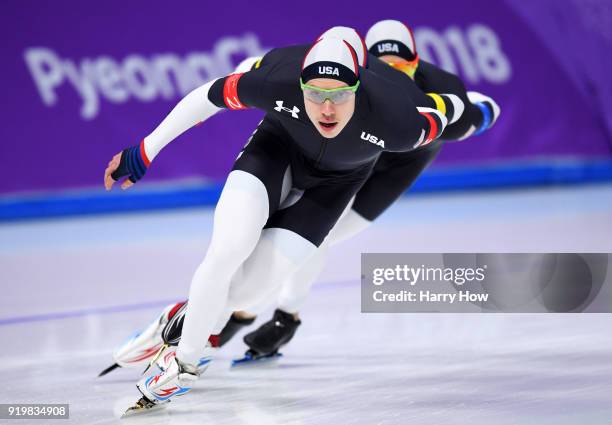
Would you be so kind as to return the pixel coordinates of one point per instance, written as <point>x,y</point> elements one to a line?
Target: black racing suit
<point>394,173</point>
<point>329,171</point>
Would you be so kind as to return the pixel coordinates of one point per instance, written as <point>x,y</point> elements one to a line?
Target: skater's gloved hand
<point>132,162</point>
<point>489,108</point>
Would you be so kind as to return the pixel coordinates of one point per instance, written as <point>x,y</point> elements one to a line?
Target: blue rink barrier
<point>145,198</point>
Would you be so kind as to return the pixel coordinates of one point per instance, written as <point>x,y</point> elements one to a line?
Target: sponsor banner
<point>85,80</point>
<point>486,283</point>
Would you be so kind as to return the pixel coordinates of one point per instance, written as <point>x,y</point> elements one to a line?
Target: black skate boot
<point>232,327</point>
<point>265,341</point>
<point>173,330</point>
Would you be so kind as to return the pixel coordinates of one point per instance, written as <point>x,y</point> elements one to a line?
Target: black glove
<point>132,164</point>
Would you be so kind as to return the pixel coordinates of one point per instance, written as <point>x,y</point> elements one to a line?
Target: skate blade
<point>251,359</point>
<point>109,369</point>
<point>142,406</point>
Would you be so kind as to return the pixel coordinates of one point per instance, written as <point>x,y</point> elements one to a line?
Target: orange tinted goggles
<point>407,67</point>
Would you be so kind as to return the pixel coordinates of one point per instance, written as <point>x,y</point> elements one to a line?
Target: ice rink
<point>73,289</point>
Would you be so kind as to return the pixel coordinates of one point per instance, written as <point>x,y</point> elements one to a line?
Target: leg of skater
<point>392,176</point>
<point>253,189</point>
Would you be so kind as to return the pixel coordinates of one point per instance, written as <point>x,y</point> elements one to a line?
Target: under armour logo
<point>280,108</point>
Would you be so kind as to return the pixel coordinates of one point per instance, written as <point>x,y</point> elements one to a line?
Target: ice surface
<point>73,289</point>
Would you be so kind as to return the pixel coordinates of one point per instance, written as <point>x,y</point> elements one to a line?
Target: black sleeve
<point>215,94</point>
<point>432,79</point>
<point>472,117</point>
<point>425,125</point>
<point>418,96</point>
<point>271,57</point>
<point>420,127</point>
<point>277,55</point>
<point>387,72</point>
<point>239,91</point>
<point>436,80</point>
<point>425,128</point>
